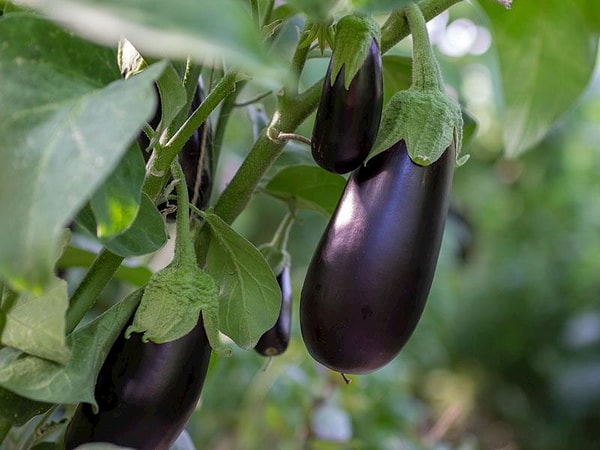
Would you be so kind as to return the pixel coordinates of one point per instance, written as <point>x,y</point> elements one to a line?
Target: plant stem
<point>222,121</point>
<point>280,238</point>
<point>396,28</point>
<point>161,164</point>
<point>426,73</point>
<point>183,248</point>
<point>96,278</point>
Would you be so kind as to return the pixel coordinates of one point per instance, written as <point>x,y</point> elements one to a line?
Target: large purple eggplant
<point>369,278</point>
<point>347,120</point>
<point>146,393</point>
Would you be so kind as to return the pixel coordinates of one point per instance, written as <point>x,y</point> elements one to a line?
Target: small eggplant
<point>347,120</point>
<point>275,340</point>
<point>367,283</point>
<point>146,393</point>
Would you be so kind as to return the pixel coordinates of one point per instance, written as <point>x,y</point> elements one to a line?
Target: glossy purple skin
<point>146,393</point>
<point>275,340</point>
<point>367,283</point>
<point>347,121</point>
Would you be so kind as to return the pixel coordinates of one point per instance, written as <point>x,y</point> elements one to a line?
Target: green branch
<point>396,27</point>
<point>164,157</point>
<point>96,278</point>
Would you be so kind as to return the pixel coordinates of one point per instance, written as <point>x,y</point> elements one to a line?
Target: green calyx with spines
<point>174,297</point>
<point>354,35</point>
<point>424,116</point>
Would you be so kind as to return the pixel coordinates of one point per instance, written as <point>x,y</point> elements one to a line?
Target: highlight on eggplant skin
<point>275,340</point>
<point>369,278</point>
<point>146,393</point>
<point>347,120</point>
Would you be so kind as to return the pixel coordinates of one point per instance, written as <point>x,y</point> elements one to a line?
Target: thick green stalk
<point>96,278</point>
<point>164,157</point>
<point>426,74</point>
<point>263,153</point>
<point>184,254</point>
<point>396,28</point>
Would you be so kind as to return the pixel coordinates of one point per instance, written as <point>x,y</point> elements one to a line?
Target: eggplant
<point>367,283</point>
<point>276,339</point>
<point>347,120</point>
<point>146,393</point>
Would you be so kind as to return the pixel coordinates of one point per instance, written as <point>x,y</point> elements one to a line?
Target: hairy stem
<point>426,73</point>
<point>396,28</point>
<point>165,156</point>
<point>183,248</point>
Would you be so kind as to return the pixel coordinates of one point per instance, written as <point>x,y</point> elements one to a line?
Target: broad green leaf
<point>116,203</point>
<point>36,324</point>
<point>146,234</point>
<point>63,132</point>
<point>78,257</point>
<point>397,74</point>
<point>307,187</point>
<point>45,381</point>
<point>546,59</point>
<point>207,31</point>
<point>250,297</point>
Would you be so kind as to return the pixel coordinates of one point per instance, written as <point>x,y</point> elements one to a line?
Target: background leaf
<point>397,74</point>
<point>56,119</point>
<point>307,187</point>
<point>146,234</point>
<point>249,300</point>
<point>36,324</point>
<point>206,31</point>
<point>540,83</point>
<point>116,203</point>
<point>45,381</point>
